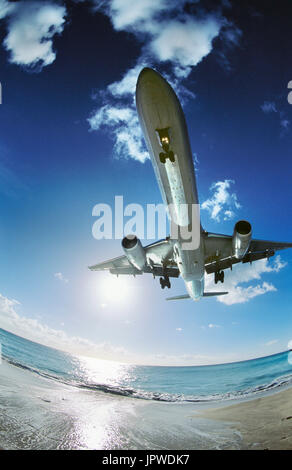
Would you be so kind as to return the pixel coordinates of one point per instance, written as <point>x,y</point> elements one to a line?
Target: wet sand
<point>39,413</point>
<point>263,423</point>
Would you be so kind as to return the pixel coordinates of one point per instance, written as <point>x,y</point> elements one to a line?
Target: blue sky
<point>69,139</point>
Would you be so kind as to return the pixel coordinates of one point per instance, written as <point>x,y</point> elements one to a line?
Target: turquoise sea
<point>51,399</point>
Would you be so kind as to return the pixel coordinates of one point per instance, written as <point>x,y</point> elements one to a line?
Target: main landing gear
<point>164,141</point>
<point>163,156</point>
<point>165,282</point>
<point>219,276</point>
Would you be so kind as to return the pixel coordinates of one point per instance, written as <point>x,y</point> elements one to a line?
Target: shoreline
<point>263,423</point>
<point>66,417</point>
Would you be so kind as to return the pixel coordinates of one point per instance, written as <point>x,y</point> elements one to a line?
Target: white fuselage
<point>159,108</point>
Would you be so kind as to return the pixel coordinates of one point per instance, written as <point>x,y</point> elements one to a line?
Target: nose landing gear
<point>165,282</point>
<point>163,156</point>
<point>219,276</point>
<point>164,141</point>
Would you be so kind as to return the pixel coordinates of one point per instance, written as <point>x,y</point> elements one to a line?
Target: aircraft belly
<point>159,108</point>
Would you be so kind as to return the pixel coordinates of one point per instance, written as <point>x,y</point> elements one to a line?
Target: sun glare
<point>113,289</point>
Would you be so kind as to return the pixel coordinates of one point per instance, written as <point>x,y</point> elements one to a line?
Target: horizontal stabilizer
<point>179,297</point>
<point>212,294</point>
<point>186,296</point>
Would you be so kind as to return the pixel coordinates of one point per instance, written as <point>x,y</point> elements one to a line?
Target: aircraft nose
<point>146,72</point>
<point>147,75</point>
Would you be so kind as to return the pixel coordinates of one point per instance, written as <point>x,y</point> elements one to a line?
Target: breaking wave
<point>249,392</point>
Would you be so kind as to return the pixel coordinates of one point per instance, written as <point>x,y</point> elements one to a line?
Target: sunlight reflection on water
<point>99,429</point>
<point>98,371</point>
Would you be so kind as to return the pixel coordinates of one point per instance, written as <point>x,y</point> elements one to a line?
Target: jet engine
<point>241,238</point>
<point>134,251</point>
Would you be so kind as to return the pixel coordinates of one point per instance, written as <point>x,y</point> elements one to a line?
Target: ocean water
<point>54,400</point>
<point>174,384</point>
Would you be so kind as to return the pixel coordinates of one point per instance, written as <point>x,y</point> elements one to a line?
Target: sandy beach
<point>263,423</point>
<point>41,413</point>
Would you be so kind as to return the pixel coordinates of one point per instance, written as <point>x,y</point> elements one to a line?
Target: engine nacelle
<point>134,251</point>
<point>241,238</point>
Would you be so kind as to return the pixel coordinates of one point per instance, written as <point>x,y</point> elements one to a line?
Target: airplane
<point>165,132</point>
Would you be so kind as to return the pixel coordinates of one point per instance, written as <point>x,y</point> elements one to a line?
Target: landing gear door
<point>163,136</point>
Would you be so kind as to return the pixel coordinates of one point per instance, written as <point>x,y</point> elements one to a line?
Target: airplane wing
<point>159,262</point>
<point>218,249</point>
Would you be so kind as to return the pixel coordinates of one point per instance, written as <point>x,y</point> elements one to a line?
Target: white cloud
<point>178,329</point>
<point>34,330</point>
<point>7,306</point>
<point>270,343</point>
<point>184,43</point>
<point>278,264</point>
<point>31,27</point>
<point>228,214</point>
<point>61,277</point>
<point>212,325</point>
<point>168,34</point>
<point>167,31</point>
<point>6,8</point>
<point>127,85</point>
<point>222,203</point>
<point>133,13</point>
<point>239,294</point>
<point>108,115</point>
<point>122,120</point>
<point>246,273</point>
<point>269,107</point>
<point>125,129</point>
<point>285,123</point>
<point>192,359</point>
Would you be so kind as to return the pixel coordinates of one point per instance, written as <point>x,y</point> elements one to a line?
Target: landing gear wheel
<point>162,157</point>
<point>164,282</point>
<point>171,156</point>
<point>219,276</point>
